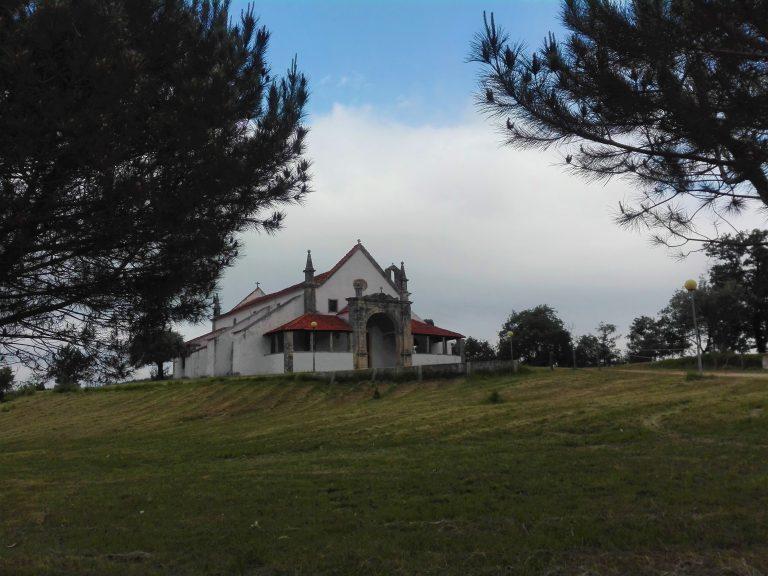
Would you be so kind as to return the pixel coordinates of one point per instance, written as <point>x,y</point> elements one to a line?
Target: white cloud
<point>483,229</point>
<point>352,81</point>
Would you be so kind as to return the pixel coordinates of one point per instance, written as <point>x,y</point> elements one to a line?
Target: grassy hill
<point>592,472</point>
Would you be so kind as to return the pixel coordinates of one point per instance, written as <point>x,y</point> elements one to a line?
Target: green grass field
<point>585,473</point>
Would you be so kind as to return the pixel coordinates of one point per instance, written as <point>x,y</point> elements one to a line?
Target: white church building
<point>356,315</point>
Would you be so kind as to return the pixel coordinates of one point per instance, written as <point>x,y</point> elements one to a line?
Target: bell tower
<point>310,303</point>
<point>216,311</point>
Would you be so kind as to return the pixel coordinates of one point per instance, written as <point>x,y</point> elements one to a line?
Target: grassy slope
<point>606,471</point>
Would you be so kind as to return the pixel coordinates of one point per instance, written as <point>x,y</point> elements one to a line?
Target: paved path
<point>706,373</point>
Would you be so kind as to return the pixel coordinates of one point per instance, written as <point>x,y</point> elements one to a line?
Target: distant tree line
<point>538,337</point>
<point>731,305</point>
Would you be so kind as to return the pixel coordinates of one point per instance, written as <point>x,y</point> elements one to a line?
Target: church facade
<point>356,315</point>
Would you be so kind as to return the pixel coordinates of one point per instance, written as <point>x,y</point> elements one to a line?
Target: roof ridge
<point>217,330</point>
<point>323,322</point>
<point>323,278</point>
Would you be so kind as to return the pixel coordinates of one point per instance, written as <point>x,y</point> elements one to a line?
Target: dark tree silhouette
<point>539,336</point>
<point>721,314</point>
<point>673,93</point>
<point>606,336</point>
<point>156,347</point>
<point>477,350</point>
<point>741,272</point>
<point>6,381</point>
<point>646,340</point>
<point>69,368</point>
<point>137,139</point>
<point>587,351</point>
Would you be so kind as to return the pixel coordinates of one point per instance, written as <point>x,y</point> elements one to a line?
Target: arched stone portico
<point>376,320</point>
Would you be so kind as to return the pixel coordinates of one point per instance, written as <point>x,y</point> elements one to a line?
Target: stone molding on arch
<point>398,310</point>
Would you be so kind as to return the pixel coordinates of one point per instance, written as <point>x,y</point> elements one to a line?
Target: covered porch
<point>312,343</point>
<point>435,345</point>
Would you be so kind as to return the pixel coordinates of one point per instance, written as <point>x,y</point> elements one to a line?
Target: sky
<point>403,160</point>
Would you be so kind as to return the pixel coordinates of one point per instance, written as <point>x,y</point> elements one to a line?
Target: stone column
<point>287,352</point>
<point>406,352</point>
<point>360,348</point>
<point>310,299</point>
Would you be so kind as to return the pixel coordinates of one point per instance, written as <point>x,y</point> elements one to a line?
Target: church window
<point>333,305</point>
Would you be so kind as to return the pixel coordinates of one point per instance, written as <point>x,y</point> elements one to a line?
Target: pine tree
<point>138,138</point>
<point>671,93</point>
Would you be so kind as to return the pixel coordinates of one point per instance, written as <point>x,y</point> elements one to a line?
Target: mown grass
<point>587,472</point>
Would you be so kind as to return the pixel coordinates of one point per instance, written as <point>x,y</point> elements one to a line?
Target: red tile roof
<point>325,323</point>
<point>328,322</point>
<point>262,299</point>
<point>428,330</point>
<point>319,280</point>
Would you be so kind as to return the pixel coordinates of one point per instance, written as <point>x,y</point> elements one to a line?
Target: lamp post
<point>312,325</point>
<point>511,335</point>
<point>690,285</point>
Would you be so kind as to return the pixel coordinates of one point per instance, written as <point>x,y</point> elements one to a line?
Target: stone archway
<point>388,316</point>
<point>381,341</point>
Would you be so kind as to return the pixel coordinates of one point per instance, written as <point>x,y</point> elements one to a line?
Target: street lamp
<point>313,325</point>
<point>690,285</point>
<point>511,335</point>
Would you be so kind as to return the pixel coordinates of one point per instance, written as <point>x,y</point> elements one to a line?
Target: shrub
<point>26,389</point>
<point>495,398</point>
<point>376,393</point>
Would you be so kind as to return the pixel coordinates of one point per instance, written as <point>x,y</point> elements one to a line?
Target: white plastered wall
<point>222,354</point>
<point>427,359</point>
<point>251,352</point>
<point>339,286</point>
<point>196,363</point>
<point>324,361</point>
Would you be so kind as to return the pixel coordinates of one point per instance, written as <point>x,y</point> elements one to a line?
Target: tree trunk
<point>160,373</point>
